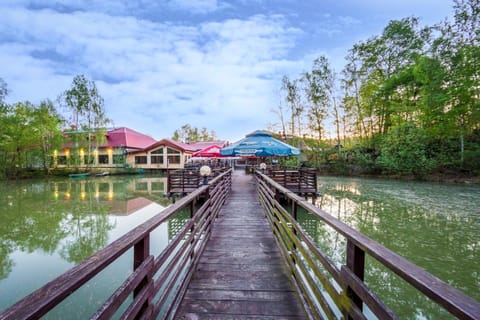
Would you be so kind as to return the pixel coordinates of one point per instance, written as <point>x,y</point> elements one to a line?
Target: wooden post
<point>294,210</point>
<point>141,251</point>
<point>192,229</point>
<point>356,263</point>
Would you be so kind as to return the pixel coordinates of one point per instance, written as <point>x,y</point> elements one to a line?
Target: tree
<point>29,135</point>
<point>3,91</point>
<point>47,124</point>
<point>383,57</point>
<point>293,99</point>
<point>189,134</point>
<point>404,151</point>
<point>319,89</point>
<point>458,49</point>
<point>88,115</point>
<point>352,100</point>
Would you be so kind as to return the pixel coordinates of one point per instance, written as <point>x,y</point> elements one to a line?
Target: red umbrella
<point>212,151</point>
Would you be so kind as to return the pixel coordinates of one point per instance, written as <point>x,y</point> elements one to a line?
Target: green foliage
<point>404,151</point>
<point>88,120</point>
<point>29,135</point>
<point>189,134</point>
<point>411,99</point>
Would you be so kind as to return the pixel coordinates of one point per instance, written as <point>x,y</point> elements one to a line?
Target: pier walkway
<point>237,251</point>
<point>241,274</point>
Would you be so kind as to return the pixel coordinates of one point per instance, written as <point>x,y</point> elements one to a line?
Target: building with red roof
<point>124,147</point>
<point>111,152</point>
<point>167,154</point>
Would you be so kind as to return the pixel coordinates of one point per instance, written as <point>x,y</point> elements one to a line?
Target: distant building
<point>112,153</point>
<point>167,154</point>
<point>124,147</point>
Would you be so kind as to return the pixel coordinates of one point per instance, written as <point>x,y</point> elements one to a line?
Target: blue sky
<point>160,64</point>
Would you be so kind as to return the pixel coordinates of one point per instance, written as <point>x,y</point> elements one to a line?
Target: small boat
<point>103,174</point>
<point>79,175</point>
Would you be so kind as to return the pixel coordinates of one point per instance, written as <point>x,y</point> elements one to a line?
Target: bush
<point>404,151</point>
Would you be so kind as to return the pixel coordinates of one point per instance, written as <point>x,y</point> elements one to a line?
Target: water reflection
<point>49,226</point>
<point>436,226</point>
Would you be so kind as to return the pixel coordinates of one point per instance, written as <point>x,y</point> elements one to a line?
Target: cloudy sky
<point>160,64</point>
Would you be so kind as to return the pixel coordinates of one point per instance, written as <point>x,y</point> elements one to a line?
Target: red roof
<point>128,138</point>
<point>171,143</point>
<point>200,145</point>
<point>212,151</point>
<point>185,147</point>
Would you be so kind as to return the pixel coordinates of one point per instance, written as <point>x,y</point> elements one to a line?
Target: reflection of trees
<point>67,215</point>
<point>29,222</point>
<point>88,231</point>
<point>32,221</point>
<point>6,264</point>
<point>85,223</point>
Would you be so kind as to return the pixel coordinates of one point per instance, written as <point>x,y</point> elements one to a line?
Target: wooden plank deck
<point>241,274</point>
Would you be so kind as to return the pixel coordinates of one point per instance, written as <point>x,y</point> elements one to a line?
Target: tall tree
<point>88,114</point>
<point>458,48</point>
<point>3,91</point>
<point>294,102</point>
<point>47,124</point>
<point>382,57</point>
<point>319,89</point>
<point>352,100</point>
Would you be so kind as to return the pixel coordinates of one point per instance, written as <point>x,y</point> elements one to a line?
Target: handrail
<point>170,270</point>
<point>307,264</point>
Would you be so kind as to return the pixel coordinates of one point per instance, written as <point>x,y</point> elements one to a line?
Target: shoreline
<point>433,178</point>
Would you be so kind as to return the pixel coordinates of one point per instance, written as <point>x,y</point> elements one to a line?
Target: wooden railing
<point>332,292</point>
<point>299,180</point>
<point>157,284</point>
<point>183,181</point>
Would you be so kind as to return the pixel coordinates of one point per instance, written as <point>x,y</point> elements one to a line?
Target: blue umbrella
<point>261,144</point>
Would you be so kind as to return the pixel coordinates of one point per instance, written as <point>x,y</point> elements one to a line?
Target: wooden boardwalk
<point>241,274</point>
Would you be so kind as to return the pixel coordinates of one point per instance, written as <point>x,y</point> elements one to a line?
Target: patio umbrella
<point>260,144</point>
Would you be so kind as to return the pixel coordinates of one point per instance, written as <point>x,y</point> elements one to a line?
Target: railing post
<point>356,263</point>
<point>141,251</point>
<point>294,210</point>
<point>192,229</point>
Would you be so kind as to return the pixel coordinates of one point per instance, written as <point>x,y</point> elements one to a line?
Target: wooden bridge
<point>241,255</point>
<point>240,273</point>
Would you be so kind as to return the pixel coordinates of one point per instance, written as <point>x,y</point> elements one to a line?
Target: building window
<point>156,159</point>
<point>141,160</point>
<point>102,159</point>
<point>173,156</point>
<point>156,156</point>
<point>172,151</point>
<point>174,159</point>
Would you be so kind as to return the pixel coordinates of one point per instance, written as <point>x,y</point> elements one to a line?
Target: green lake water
<point>436,226</point>
<point>47,227</point>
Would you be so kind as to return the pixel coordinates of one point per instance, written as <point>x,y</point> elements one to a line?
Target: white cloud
<point>154,77</point>
<point>158,70</point>
<point>197,6</point>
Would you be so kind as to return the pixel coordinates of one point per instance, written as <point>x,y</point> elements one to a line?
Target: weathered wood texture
<point>298,180</point>
<point>343,289</point>
<point>184,181</point>
<point>241,274</point>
